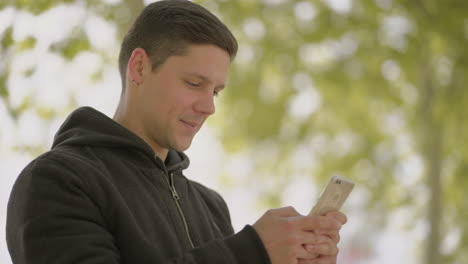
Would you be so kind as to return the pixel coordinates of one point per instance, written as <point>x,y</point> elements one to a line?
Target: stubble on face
<point>178,97</point>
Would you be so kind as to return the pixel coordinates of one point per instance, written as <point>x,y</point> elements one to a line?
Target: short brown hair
<point>166,28</point>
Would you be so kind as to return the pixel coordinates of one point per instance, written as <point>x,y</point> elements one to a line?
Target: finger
<point>309,237</point>
<point>310,223</point>
<point>334,235</point>
<point>302,253</point>
<point>339,216</point>
<point>310,255</point>
<point>328,249</point>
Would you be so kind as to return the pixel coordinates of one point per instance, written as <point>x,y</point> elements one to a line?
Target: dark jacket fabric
<point>101,195</point>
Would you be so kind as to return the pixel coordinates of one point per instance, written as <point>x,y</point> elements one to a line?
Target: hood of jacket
<point>88,127</point>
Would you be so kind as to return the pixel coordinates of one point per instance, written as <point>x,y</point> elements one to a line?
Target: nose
<point>205,105</point>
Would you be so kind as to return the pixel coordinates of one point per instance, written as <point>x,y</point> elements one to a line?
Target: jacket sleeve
<point>243,247</point>
<point>52,220</point>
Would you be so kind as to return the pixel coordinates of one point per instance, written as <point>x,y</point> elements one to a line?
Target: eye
<point>215,93</point>
<point>192,84</point>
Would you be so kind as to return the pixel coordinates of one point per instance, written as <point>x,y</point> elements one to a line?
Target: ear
<point>137,65</point>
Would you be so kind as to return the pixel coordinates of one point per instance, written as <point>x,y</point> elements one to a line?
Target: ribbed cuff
<point>247,247</point>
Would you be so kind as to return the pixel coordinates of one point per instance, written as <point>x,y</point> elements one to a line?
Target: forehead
<point>207,61</point>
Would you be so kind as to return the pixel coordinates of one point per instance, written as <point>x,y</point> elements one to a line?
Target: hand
<point>284,232</point>
<point>326,253</point>
<point>333,234</point>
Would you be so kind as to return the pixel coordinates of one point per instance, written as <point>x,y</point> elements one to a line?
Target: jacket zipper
<point>175,196</point>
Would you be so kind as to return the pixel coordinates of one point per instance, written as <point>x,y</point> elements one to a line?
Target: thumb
<point>338,216</point>
<point>287,211</point>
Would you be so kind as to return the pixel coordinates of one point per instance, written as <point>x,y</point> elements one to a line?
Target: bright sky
<point>56,79</point>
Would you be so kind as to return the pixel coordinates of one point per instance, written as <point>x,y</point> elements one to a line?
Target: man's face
<point>175,100</point>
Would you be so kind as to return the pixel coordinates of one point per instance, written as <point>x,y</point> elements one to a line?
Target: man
<point>112,190</point>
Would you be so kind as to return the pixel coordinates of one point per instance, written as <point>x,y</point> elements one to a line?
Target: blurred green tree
<point>371,89</point>
<point>389,79</point>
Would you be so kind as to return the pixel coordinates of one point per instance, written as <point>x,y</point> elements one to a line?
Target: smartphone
<point>333,196</point>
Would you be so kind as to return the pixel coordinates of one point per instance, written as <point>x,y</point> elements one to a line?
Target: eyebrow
<point>206,79</point>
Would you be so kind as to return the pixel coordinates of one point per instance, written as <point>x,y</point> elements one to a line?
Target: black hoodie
<point>101,195</point>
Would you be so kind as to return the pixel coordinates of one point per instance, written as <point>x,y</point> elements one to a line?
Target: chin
<point>183,147</point>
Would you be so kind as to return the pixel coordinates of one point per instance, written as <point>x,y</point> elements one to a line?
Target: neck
<point>122,117</point>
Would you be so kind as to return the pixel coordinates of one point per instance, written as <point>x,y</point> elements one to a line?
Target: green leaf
<point>7,39</point>
<point>26,44</point>
<point>3,88</point>
<point>38,6</point>
<point>69,48</point>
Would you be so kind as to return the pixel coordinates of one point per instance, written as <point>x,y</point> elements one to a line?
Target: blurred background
<point>374,90</point>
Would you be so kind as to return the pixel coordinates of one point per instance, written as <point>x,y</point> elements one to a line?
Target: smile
<point>191,125</point>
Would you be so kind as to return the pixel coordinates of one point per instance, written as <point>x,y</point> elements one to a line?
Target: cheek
<point>170,96</point>
<point>181,99</point>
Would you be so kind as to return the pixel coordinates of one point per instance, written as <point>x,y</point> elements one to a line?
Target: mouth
<point>192,125</point>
